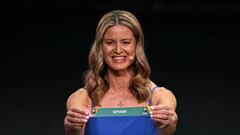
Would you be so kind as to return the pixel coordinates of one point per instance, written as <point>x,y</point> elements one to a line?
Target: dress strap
<point>152,91</point>
<point>92,103</point>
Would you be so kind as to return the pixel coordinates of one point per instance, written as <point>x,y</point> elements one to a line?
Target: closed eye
<point>108,42</point>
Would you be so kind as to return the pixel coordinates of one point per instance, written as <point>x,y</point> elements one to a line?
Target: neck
<point>119,81</point>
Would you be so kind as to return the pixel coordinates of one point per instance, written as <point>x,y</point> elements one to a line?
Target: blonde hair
<point>94,80</point>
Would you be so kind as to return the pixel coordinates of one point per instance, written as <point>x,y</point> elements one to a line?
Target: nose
<point>118,48</point>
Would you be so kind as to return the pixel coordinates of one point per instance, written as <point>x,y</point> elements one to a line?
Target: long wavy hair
<point>94,78</point>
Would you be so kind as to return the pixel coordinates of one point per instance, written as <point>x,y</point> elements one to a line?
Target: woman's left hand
<point>162,115</point>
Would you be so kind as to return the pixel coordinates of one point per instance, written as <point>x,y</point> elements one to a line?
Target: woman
<point>118,76</point>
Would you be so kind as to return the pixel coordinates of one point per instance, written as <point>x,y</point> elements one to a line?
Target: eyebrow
<point>107,39</point>
<point>121,39</point>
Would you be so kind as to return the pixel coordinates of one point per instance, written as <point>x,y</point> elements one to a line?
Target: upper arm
<point>163,96</point>
<point>78,99</point>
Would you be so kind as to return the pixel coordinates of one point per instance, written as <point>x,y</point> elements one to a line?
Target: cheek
<point>132,51</point>
<point>106,54</point>
<point>105,51</point>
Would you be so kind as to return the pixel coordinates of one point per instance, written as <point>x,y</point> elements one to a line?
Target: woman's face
<point>119,47</point>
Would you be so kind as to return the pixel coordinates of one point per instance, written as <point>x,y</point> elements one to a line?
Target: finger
<point>66,123</point>
<point>77,120</point>
<point>76,124</point>
<point>77,115</point>
<point>160,107</point>
<point>81,111</point>
<point>160,116</point>
<point>162,123</point>
<point>70,125</point>
<point>165,112</point>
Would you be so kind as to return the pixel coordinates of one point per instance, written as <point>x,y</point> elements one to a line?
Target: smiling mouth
<point>119,59</point>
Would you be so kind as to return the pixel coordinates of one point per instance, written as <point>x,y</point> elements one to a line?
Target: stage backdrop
<point>189,45</point>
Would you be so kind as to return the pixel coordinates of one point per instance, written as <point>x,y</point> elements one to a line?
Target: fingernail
<point>152,108</point>
<point>150,112</point>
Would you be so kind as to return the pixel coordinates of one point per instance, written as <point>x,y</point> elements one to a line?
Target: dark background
<point>191,47</point>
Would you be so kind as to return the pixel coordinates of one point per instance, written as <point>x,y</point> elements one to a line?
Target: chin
<point>120,67</point>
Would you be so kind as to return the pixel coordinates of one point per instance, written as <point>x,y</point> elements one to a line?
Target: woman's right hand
<point>76,118</point>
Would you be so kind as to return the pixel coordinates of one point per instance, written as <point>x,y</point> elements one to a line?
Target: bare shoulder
<point>79,98</point>
<point>162,91</point>
<point>162,95</point>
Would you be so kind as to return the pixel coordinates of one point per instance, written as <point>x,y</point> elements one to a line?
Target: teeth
<point>118,58</point>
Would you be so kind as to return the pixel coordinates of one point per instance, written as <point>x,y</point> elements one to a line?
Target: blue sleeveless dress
<point>126,125</point>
